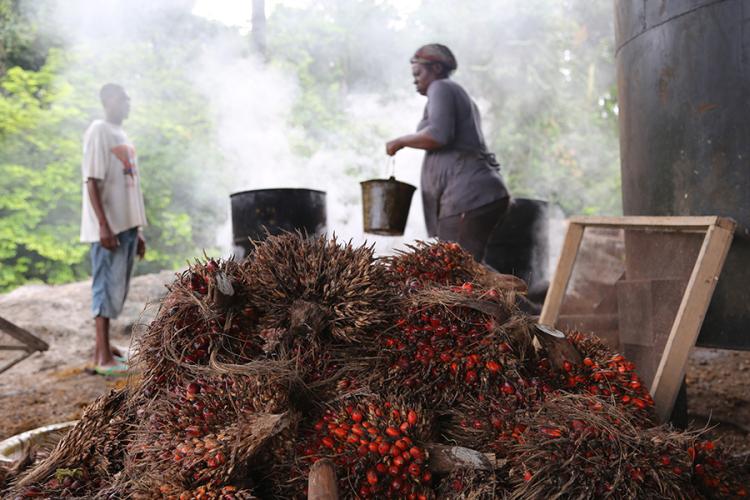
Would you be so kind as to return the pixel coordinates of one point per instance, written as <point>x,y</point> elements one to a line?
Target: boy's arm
<point>106,237</point>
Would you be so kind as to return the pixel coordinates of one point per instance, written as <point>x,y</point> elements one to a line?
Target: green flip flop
<point>118,370</point>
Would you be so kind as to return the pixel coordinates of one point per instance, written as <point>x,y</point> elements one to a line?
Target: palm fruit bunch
<point>81,461</point>
<point>376,443</point>
<point>336,287</point>
<point>583,448</point>
<point>452,342</point>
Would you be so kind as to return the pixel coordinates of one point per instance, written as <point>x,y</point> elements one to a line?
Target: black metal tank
<point>520,245</point>
<point>276,211</point>
<point>684,97</point>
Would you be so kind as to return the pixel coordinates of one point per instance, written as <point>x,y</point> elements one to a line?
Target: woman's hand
<point>393,147</point>
<point>420,140</point>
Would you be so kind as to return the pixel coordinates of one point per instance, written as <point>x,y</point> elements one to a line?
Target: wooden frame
<point>687,324</point>
<point>30,343</point>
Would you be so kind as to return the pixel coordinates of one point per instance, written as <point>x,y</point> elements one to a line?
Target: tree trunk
<point>259,27</point>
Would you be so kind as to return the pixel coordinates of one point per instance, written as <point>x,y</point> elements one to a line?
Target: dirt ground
<point>54,386</point>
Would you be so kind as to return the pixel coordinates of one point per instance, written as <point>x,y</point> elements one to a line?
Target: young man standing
<point>112,217</point>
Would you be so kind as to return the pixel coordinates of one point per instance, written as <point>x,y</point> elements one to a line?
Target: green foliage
<point>40,206</point>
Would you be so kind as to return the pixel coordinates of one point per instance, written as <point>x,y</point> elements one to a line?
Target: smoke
<point>511,59</point>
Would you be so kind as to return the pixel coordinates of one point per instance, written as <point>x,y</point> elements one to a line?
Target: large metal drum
<point>684,98</point>
<point>520,245</point>
<point>273,211</point>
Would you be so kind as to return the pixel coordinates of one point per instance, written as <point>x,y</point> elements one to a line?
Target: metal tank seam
<point>715,2</point>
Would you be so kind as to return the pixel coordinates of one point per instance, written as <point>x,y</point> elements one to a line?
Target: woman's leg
<point>472,229</point>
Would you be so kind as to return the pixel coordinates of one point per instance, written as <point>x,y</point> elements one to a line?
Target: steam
<point>251,102</point>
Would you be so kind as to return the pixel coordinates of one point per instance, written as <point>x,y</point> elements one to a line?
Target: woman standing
<point>463,193</point>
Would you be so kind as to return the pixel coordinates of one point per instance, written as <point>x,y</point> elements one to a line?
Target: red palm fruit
<point>527,476</point>
<point>328,441</point>
<point>394,470</point>
<point>404,427</point>
<point>397,484</point>
<point>395,451</point>
<point>372,476</point>
<point>414,469</point>
<point>507,388</point>
<point>340,433</point>
<point>427,477</point>
<point>362,450</point>
<point>551,432</point>
<point>412,417</point>
<point>384,448</point>
<point>398,461</point>
<point>416,453</point>
<point>401,444</point>
<point>577,425</point>
<point>373,447</point>
<point>493,366</point>
<point>470,377</point>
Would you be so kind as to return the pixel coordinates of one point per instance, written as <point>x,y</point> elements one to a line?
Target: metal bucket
<point>385,206</point>
<point>276,211</point>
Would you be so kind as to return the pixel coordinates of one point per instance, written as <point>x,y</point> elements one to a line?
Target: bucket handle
<point>391,167</point>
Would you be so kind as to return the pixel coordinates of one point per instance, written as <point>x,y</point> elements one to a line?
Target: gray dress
<point>462,175</point>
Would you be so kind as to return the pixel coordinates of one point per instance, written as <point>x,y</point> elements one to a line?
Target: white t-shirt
<point>109,156</point>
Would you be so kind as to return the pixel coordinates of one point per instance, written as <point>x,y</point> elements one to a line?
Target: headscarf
<point>435,53</point>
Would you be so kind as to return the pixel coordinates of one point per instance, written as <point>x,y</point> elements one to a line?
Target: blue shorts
<point>111,272</point>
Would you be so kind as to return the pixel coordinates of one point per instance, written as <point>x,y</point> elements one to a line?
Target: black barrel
<point>276,211</point>
<point>684,98</point>
<point>520,245</point>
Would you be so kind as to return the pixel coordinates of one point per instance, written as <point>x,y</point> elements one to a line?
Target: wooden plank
<point>16,361</point>
<point>321,483</point>
<point>668,222</point>
<point>556,293</point>
<point>16,348</point>
<point>22,335</point>
<point>689,319</point>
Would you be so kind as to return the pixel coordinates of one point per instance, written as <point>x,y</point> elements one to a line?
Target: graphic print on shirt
<point>126,154</point>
